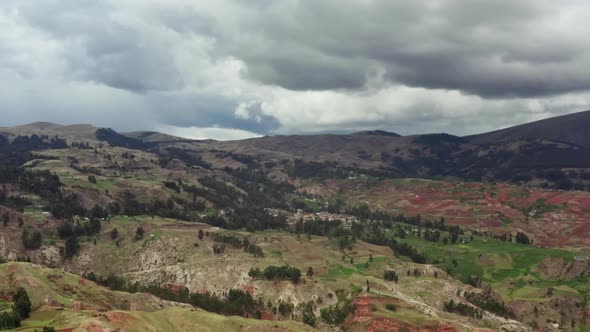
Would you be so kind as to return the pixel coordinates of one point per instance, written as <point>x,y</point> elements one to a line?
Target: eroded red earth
<point>364,315</point>
<point>553,218</point>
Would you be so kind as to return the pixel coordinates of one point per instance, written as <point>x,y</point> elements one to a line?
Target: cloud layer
<point>232,69</point>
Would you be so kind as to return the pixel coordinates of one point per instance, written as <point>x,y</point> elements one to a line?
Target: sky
<point>237,69</point>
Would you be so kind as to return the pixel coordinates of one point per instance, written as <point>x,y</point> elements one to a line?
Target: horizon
<point>212,136</point>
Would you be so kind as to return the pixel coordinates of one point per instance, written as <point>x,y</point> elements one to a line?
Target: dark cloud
<point>103,48</point>
<point>293,66</point>
<point>492,49</point>
<point>208,111</point>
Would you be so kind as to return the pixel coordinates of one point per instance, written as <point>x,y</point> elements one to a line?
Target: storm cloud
<point>294,66</point>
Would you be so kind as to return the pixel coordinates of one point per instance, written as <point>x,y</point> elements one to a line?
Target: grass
<point>508,267</point>
<point>339,272</point>
<point>5,305</point>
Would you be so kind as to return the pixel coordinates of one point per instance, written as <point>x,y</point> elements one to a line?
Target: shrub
<point>31,238</point>
<point>390,307</point>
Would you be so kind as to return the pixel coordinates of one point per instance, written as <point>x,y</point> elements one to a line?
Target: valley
<point>371,231</point>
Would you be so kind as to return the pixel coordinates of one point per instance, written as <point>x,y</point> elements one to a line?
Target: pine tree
<point>22,303</point>
<point>72,247</point>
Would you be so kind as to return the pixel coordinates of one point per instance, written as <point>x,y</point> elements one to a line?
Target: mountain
<point>154,137</point>
<point>570,128</point>
<point>69,132</point>
<point>377,133</point>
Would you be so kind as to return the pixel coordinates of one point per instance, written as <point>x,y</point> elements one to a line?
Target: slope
<point>571,128</point>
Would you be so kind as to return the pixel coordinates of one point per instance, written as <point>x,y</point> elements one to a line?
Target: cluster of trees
<point>404,249</point>
<point>189,158</point>
<point>175,208</point>
<point>232,302</point>
<point>21,309</point>
<point>216,192</point>
<point>115,139</point>
<point>252,218</point>
<point>482,300</point>
<point>486,301</point>
<point>330,169</point>
<point>336,314</point>
<point>371,232</point>
<point>65,206</point>
<point>239,242</point>
<point>520,237</point>
<point>43,183</point>
<point>28,143</point>
<point>272,272</point>
<point>462,309</point>
<point>69,228</point>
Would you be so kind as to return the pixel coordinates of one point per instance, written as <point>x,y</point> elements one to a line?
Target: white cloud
<point>215,133</point>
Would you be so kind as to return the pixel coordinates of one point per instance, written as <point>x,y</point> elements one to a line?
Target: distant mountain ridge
<point>570,128</point>
<point>554,152</point>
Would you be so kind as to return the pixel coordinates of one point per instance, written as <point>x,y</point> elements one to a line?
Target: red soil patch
<point>119,317</point>
<point>173,287</point>
<point>503,196</point>
<point>363,309</point>
<point>248,289</point>
<point>417,199</point>
<point>387,324</point>
<point>266,315</point>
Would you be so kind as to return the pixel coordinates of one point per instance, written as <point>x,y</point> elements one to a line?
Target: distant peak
<point>377,133</point>
<point>42,125</point>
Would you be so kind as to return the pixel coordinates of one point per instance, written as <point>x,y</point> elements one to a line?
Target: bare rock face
<point>2,245</point>
<point>555,268</point>
<point>48,255</point>
<point>6,249</point>
<point>558,310</point>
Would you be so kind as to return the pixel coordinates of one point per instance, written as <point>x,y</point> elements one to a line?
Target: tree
<point>92,179</point>
<point>310,271</point>
<point>139,233</point>
<point>72,247</point>
<point>9,320</point>
<point>390,275</point>
<point>390,307</point>
<point>5,218</point>
<point>201,234</point>
<point>48,329</point>
<point>308,314</point>
<point>114,233</point>
<point>22,303</point>
<point>522,238</point>
<point>31,238</point>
